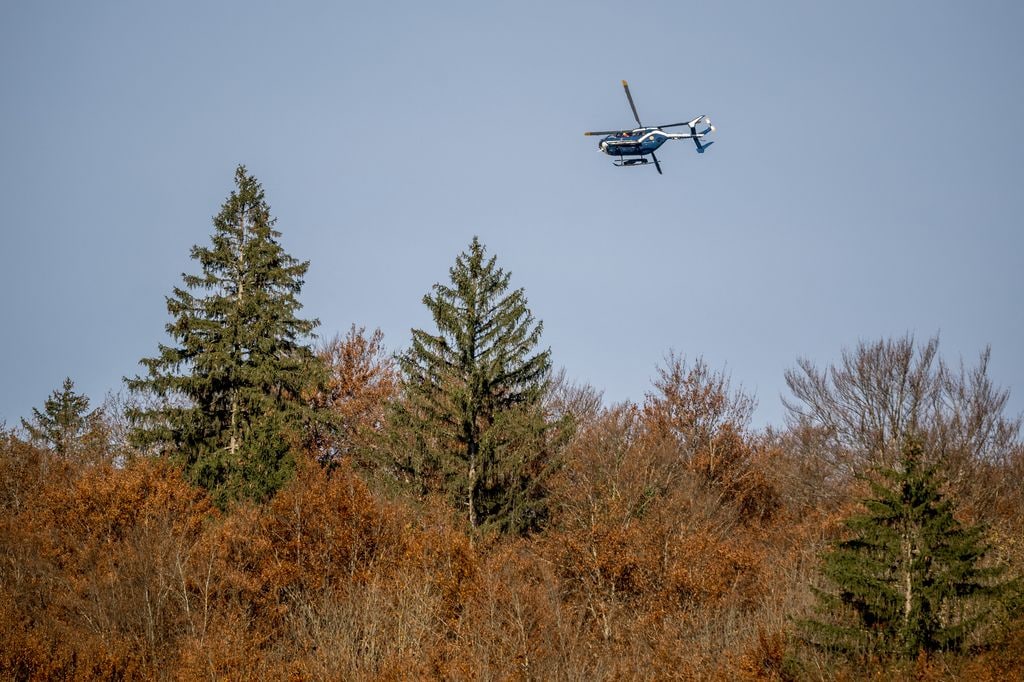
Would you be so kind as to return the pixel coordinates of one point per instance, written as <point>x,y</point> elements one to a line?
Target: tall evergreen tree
<point>64,421</point>
<point>908,578</point>
<point>472,397</point>
<point>228,392</point>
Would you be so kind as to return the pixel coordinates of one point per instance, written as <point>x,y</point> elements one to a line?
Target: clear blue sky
<point>866,182</point>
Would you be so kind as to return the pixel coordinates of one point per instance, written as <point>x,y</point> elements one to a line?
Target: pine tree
<point>64,421</point>
<point>228,393</point>
<point>472,397</point>
<point>909,576</point>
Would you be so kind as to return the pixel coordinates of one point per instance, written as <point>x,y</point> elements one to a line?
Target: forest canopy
<point>261,503</point>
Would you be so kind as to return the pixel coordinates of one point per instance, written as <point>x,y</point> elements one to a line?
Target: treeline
<point>260,505</point>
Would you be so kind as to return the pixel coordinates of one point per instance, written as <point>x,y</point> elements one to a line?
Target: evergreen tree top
<point>485,333</point>
<point>230,387</point>
<point>62,421</point>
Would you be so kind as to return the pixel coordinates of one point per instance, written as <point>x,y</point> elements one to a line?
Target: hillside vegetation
<point>261,505</point>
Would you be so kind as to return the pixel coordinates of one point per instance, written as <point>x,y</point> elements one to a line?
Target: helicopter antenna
<point>632,106</point>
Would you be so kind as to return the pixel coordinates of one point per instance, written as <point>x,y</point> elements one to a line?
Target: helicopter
<point>632,146</point>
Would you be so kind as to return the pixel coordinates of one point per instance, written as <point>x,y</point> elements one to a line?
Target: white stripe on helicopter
<point>642,138</point>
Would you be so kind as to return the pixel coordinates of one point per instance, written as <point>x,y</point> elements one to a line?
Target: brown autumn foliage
<point>681,546</point>
<point>361,378</point>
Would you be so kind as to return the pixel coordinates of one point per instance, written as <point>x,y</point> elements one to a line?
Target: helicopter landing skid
<point>631,162</point>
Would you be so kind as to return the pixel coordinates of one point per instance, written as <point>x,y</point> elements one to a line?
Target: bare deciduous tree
<point>880,392</point>
<point>566,399</point>
<point>694,404</point>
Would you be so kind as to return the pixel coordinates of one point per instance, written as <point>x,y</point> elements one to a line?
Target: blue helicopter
<point>632,146</point>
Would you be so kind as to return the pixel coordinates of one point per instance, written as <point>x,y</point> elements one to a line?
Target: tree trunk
<point>906,550</point>
<point>233,443</point>
<point>472,485</point>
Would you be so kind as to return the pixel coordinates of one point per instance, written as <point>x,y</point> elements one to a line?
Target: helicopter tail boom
<point>694,134</point>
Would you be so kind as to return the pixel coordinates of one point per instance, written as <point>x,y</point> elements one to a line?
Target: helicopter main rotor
<point>629,96</point>
<point>632,106</point>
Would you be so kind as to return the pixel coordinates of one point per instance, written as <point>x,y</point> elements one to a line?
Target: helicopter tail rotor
<point>697,135</point>
<point>701,146</point>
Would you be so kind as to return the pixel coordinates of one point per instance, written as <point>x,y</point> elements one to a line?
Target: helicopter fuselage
<point>637,142</point>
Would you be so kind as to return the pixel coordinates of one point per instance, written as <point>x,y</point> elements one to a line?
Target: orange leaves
<point>361,378</point>
<point>679,547</point>
<point>693,404</point>
<point>329,581</point>
<point>95,568</point>
<point>133,569</point>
